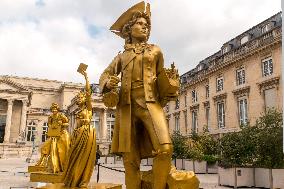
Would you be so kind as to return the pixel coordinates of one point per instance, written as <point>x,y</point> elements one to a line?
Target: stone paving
<point>13,175</point>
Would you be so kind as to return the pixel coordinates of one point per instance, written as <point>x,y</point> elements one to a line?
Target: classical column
<point>8,121</point>
<point>103,130</point>
<point>23,118</point>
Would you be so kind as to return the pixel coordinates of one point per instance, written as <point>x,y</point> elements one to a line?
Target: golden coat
<point>153,64</point>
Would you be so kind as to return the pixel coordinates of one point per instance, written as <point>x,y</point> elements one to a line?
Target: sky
<point>48,39</point>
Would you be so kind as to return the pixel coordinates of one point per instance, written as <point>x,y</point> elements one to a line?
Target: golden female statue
<point>141,128</point>
<point>82,154</point>
<point>55,148</point>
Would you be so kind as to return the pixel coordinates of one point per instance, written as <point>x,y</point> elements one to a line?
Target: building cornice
<point>241,91</point>
<point>269,83</point>
<point>220,97</point>
<point>246,50</point>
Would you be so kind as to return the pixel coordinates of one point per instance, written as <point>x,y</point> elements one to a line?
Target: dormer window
<point>244,39</point>
<point>225,49</point>
<point>265,28</point>
<point>199,68</point>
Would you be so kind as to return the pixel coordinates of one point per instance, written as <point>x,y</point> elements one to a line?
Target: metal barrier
<point>110,168</point>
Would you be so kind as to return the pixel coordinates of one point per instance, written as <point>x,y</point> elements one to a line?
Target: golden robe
<point>82,154</point>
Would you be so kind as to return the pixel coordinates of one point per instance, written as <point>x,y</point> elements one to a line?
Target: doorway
<point>2,127</point>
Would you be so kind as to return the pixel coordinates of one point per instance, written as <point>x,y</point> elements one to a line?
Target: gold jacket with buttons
<point>153,64</point>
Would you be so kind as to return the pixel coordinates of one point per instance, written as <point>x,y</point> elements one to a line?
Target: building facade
<point>25,107</point>
<point>234,86</point>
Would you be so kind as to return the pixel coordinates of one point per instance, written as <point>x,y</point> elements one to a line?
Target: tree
<point>269,140</point>
<point>180,145</point>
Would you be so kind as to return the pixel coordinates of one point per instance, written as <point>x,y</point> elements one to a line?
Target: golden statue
<point>141,129</point>
<point>82,154</point>
<point>55,148</point>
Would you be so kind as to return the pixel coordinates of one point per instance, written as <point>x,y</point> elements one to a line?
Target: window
<point>177,103</point>
<point>267,67</point>
<point>185,120</point>
<point>219,84</point>
<point>240,76</point>
<point>110,125</point>
<point>194,96</point>
<point>265,28</point>
<point>270,98</point>
<point>177,127</point>
<point>225,49</point>
<point>243,118</point>
<point>244,39</point>
<point>221,114</point>
<point>185,100</point>
<point>194,121</point>
<point>44,132</point>
<point>31,129</point>
<point>96,118</point>
<point>207,116</point>
<point>207,91</point>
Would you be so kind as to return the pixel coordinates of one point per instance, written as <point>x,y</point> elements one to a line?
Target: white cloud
<point>49,41</point>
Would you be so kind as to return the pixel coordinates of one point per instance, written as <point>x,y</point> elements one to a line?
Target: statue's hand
<point>112,82</point>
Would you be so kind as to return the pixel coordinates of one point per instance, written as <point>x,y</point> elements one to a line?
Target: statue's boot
<point>161,167</point>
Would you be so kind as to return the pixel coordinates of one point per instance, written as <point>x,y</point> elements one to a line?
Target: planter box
<point>236,177</point>
<point>200,166</point>
<point>188,165</point>
<point>245,177</point>
<point>262,178</point>
<point>143,161</point>
<point>150,161</point>
<point>212,168</point>
<point>110,160</point>
<point>118,160</point>
<point>226,177</point>
<point>278,178</point>
<point>179,164</point>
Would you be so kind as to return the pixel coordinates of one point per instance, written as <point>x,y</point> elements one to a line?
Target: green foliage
<point>270,140</point>
<point>180,146</point>
<point>197,147</point>
<point>259,145</point>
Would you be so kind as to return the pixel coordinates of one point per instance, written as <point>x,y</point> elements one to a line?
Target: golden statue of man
<point>141,129</point>
<point>55,148</point>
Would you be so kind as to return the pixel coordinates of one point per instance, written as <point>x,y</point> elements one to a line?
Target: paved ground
<point>13,175</point>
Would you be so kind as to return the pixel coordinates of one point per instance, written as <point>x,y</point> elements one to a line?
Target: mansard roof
<point>252,34</point>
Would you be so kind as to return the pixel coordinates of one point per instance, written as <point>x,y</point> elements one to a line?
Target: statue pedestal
<point>35,168</point>
<point>91,186</point>
<point>46,177</point>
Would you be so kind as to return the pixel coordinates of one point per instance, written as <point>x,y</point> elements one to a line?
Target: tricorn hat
<point>127,15</point>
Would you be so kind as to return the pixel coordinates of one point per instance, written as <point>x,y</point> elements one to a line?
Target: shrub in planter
<point>238,148</point>
<point>270,158</point>
<point>269,138</point>
<point>180,146</point>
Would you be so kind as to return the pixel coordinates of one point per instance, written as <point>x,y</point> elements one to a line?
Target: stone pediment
<point>8,85</point>
<point>13,90</point>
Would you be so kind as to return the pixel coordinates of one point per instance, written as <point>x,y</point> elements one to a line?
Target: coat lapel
<point>127,56</point>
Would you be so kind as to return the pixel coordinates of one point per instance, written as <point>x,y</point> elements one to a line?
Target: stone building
<point>234,86</point>
<point>24,111</point>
